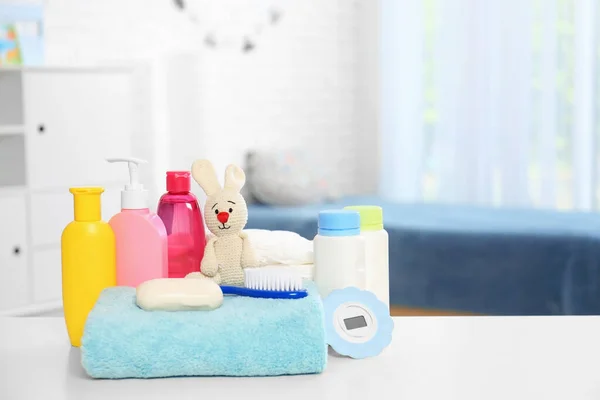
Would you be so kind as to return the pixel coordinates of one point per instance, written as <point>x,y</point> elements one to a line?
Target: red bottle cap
<point>178,181</point>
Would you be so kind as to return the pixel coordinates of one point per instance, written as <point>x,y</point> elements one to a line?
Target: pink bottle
<point>141,237</point>
<point>179,211</point>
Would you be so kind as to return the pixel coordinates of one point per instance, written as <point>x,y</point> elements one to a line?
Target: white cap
<point>134,196</point>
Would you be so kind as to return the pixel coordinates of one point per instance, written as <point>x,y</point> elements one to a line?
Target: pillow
<point>287,178</point>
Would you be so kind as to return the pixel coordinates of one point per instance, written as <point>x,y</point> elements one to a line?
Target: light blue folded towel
<point>244,337</point>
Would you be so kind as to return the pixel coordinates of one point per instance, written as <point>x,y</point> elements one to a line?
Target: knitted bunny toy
<point>226,214</point>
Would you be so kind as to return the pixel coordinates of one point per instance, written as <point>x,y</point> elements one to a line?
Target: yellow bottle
<point>88,260</point>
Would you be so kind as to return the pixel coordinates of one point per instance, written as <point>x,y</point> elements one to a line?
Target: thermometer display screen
<point>355,322</point>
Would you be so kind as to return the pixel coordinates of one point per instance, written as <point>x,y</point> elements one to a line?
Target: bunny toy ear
<point>204,174</point>
<point>235,178</point>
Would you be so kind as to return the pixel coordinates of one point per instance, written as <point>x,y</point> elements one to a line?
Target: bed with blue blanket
<point>475,259</point>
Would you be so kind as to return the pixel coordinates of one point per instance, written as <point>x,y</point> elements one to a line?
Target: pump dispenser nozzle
<point>134,196</point>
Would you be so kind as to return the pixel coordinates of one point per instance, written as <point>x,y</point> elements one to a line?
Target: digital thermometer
<point>357,323</point>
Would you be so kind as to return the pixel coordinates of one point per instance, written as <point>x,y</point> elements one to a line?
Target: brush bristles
<point>282,279</point>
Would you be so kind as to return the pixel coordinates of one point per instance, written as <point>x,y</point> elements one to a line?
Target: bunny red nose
<point>223,217</point>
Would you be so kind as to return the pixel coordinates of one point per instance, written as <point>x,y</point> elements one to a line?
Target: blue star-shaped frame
<point>385,324</point>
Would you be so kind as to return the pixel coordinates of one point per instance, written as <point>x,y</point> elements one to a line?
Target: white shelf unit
<point>57,127</point>
<point>8,130</point>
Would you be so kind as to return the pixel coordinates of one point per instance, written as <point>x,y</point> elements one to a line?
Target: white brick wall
<point>308,82</point>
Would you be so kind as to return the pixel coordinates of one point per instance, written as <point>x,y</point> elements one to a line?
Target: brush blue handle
<point>263,294</point>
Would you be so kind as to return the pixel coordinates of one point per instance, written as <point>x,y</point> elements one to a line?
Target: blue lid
<point>339,223</point>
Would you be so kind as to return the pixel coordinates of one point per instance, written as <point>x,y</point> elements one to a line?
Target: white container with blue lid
<point>339,252</point>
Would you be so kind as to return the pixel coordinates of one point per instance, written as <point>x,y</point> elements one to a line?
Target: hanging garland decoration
<point>215,39</point>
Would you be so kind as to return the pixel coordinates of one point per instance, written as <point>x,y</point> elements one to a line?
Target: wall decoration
<point>227,34</point>
<point>180,4</point>
<point>9,45</point>
<point>21,33</point>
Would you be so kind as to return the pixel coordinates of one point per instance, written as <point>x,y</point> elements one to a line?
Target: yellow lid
<point>371,217</point>
<point>87,203</point>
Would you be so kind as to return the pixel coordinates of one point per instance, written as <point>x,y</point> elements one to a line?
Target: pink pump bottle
<point>180,212</point>
<point>141,237</point>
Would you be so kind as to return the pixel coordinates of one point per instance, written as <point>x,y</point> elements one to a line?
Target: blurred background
<point>473,124</point>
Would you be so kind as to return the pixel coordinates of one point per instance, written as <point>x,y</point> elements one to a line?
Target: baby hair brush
<point>269,283</point>
<point>184,294</point>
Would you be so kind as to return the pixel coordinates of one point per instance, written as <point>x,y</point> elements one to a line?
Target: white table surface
<point>429,358</point>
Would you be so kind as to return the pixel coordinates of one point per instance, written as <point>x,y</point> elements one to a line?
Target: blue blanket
<point>476,259</point>
<point>244,337</point>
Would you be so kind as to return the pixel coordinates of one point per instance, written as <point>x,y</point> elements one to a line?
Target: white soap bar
<point>179,294</point>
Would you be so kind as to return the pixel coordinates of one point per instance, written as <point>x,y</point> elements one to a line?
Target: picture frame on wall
<point>21,33</point>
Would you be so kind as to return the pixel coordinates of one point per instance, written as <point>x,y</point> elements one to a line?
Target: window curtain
<point>490,102</point>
